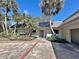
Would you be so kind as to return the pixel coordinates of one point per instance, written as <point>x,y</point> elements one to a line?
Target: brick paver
<point>15,49</point>
<point>43,50</point>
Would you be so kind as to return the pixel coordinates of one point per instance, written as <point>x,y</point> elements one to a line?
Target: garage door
<point>75,36</point>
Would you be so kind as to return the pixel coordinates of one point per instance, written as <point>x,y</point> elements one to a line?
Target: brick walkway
<point>66,51</point>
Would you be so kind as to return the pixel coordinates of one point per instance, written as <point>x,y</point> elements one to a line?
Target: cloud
<point>26,12</point>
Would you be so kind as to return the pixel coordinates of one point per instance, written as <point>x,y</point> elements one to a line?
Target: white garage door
<point>75,36</point>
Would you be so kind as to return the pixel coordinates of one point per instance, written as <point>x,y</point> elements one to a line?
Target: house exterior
<point>69,29</point>
<point>44,28</point>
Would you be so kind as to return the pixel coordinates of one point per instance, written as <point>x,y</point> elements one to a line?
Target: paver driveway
<point>19,49</point>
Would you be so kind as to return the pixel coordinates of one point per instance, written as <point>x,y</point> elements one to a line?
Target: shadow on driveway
<point>66,50</point>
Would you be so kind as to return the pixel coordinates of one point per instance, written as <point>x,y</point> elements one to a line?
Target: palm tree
<point>51,8</point>
<point>1,22</point>
<point>7,5</point>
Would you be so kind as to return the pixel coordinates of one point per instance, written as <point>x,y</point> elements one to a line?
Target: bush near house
<point>4,37</point>
<point>13,37</point>
<point>56,39</point>
<point>52,38</point>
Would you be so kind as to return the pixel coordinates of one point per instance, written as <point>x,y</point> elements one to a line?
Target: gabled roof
<point>74,14</point>
<point>56,23</point>
<point>70,18</point>
<point>46,24</point>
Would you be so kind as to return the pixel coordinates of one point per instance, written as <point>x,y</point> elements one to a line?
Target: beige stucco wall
<point>67,35</point>
<point>65,30</point>
<point>72,25</point>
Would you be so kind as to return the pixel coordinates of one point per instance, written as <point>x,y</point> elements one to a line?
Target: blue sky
<point>32,7</point>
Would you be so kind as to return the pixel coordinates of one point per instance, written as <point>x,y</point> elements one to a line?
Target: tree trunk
<point>51,26</point>
<point>15,30</point>
<point>29,32</point>
<point>3,27</point>
<point>6,29</point>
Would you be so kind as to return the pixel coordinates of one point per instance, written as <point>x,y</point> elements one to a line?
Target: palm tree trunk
<point>15,30</point>
<point>51,22</point>
<point>29,32</point>
<point>51,26</point>
<point>5,22</point>
<point>3,28</point>
<point>6,25</point>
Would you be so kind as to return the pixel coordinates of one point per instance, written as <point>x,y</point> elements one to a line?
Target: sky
<point>32,8</point>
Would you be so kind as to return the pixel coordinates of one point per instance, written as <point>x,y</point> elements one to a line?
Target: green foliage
<point>31,25</point>
<point>56,39</point>
<point>51,7</point>
<point>28,20</point>
<point>2,34</point>
<point>6,6</point>
<point>51,38</point>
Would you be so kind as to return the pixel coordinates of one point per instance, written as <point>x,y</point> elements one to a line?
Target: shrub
<point>51,38</point>
<point>56,39</point>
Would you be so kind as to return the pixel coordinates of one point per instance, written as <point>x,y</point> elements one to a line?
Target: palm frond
<point>47,6</point>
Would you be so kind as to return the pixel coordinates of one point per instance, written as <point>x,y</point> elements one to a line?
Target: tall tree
<point>8,5</point>
<point>2,22</point>
<point>30,24</point>
<point>51,8</point>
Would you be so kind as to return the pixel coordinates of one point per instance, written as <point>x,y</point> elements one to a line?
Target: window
<point>56,31</point>
<point>34,31</point>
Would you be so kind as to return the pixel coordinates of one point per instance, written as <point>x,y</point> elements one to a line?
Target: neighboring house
<point>44,28</point>
<point>69,29</point>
